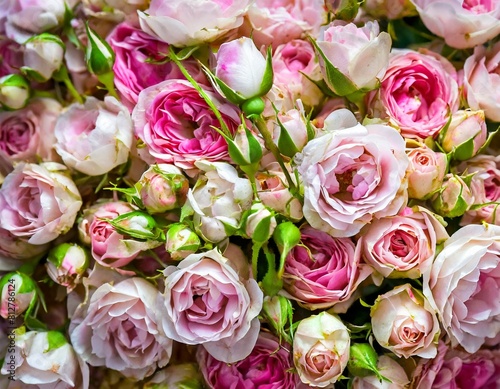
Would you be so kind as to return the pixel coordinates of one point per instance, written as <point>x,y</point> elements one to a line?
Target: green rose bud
<point>14,91</point>
<point>99,55</point>
<point>181,241</point>
<point>66,263</point>
<point>43,56</point>
<point>137,224</point>
<point>278,312</point>
<point>18,294</point>
<point>260,223</point>
<point>454,198</point>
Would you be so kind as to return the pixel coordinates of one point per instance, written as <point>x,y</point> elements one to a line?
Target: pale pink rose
<point>277,22</point>
<point>404,323</point>
<point>462,24</point>
<point>7,7</point>
<point>426,172</point>
<point>28,134</point>
<point>456,369</point>
<point>390,9</point>
<point>462,286</point>
<point>321,349</point>
<point>175,124</point>
<point>14,251</point>
<point>419,92</point>
<point>331,105</point>
<point>361,54</point>
<point>96,137</point>
<point>351,176</point>
<point>38,202</point>
<point>44,56</point>
<point>390,369</point>
<point>290,60</point>
<point>403,245</point>
<point>117,329</point>
<point>295,123</point>
<point>11,54</point>
<point>183,23</point>
<point>212,300</point>
<point>113,10</point>
<point>481,80</point>
<point>322,271</point>
<point>267,367</point>
<point>45,360</point>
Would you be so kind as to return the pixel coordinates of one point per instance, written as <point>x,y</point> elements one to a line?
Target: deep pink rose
<point>213,301</point>
<point>322,271</point>
<point>267,367</point>
<point>419,92</point>
<point>176,123</point>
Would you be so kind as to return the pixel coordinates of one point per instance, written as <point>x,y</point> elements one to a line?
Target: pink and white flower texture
<point>117,328</point>
<point>390,369</point>
<point>462,286</point>
<point>322,271</point>
<point>15,250</point>
<point>38,202</point>
<point>212,300</point>
<point>352,176</point>
<point>321,349</point>
<point>184,23</point>
<point>175,123</point>
<point>267,367</point>
<point>461,23</point>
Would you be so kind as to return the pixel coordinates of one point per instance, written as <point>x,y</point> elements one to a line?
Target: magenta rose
<point>176,123</point>
<point>322,271</point>
<point>212,300</point>
<point>418,93</point>
<point>267,367</point>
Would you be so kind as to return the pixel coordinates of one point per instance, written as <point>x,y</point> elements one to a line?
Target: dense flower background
<point>249,194</point>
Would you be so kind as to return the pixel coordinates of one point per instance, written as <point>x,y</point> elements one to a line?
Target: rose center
<point>478,6</point>
<point>345,180</point>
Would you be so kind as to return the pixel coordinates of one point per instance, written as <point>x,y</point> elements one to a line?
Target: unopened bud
<point>67,263</point>
<point>14,91</point>
<point>43,56</point>
<point>18,293</point>
<point>260,223</point>
<point>181,241</point>
<point>454,198</point>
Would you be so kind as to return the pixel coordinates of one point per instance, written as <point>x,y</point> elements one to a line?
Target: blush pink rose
<point>212,300</point>
<point>462,286</point>
<point>461,23</point>
<point>14,251</point>
<point>390,369</point>
<point>418,93</point>
<point>352,175</point>
<point>176,123</point>
<point>11,54</point>
<point>38,202</point>
<point>322,271</point>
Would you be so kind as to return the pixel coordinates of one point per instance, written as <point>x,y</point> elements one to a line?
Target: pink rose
<point>462,286</point>
<point>462,24</point>
<point>117,328</point>
<point>390,369</point>
<point>351,176</point>
<point>419,92</point>
<point>322,271</point>
<point>403,245</point>
<point>38,202</point>
<point>175,123</point>
<point>182,23</point>
<point>267,367</point>
<point>96,137</point>
<point>213,301</point>
<point>481,80</point>
<point>14,251</point>
<point>11,54</point>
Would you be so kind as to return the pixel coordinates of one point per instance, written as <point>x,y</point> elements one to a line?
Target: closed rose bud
<point>426,172</point>
<point>245,150</point>
<point>99,55</point>
<point>18,293</point>
<point>137,224</point>
<point>14,91</point>
<point>291,132</point>
<point>67,263</point>
<point>465,135</point>
<point>181,241</point>
<point>260,223</point>
<point>162,188</point>
<point>343,9</point>
<point>454,197</point>
<point>43,56</point>
<point>278,311</point>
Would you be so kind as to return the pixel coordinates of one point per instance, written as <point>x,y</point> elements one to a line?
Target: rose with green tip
<point>454,198</point>
<point>18,292</point>
<point>181,241</point>
<point>14,91</point>
<point>66,263</point>
<point>43,56</point>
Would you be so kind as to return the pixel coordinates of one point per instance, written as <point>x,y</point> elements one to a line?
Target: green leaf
<point>55,340</point>
<point>267,81</point>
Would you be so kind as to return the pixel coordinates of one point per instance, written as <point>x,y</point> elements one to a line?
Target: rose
<point>96,137</point>
<point>267,367</point>
<point>462,24</point>
<point>43,56</point>
<point>294,123</point>
<point>38,202</point>
<point>182,23</point>
<point>322,271</point>
<point>454,197</point>
<point>45,360</point>
<point>403,245</point>
<point>212,300</point>
<point>481,80</point>
<point>403,322</point>
<point>15,250</point>
<point>352,176</point>
<point>66,263</point>
<point>418,93</point>
<point>11,53</point>
<point>112,10</point>
<point>462,285</point>
<point>321,349</point>
<point>175,123</point>
<point>117,328</point>
<point>388,368</point>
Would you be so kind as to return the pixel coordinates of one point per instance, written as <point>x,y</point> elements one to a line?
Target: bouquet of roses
<point>249,194</point>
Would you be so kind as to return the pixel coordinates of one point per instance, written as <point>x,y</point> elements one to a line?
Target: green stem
<point>255,257</point>
<point>62,75</point>
<point>250,171</point>
<point>108,80</point>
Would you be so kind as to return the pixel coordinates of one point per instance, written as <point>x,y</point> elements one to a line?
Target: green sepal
<point>223,89</point>
<point>32,74</point>
<point>99,56</point>
<point>286,236</point>
<point>267,81</point>
<point>285,142</point>
<point>55,340</point>
<point>151,231</point>
<point>271,283</point>
<point>363,361</point>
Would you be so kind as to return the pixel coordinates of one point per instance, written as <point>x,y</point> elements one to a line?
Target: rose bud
<point>136,224</point>
<point>454,198</point>
<point>321,349</point>
<point>465,135</point>
<point>183,376</point>
<point>99,55</point>
<point>343,9</point>
<point>67,263</point>
<point>18,294</point>
<point>278,311</point>
<point>390,369</point>
<point>245,150</point>
<point>389,9</point>
<point>403,322</point>
<point>162,188</point>
<point>260,223</point>
<point>14,91</point>
<point>363,361</point>
<point>292,131</point>
<point>43,56</point>
<point>181,241</point>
